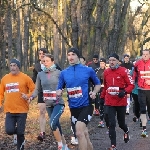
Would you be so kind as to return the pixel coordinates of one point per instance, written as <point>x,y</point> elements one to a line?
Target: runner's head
<point>42,52</point>
<point>114,61</point>
<point>48,60</point>
<point>73,56</point>
<point>146,54</point>
<point>15,66</point>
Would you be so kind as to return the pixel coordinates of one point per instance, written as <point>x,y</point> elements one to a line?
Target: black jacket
<point>127,65</point>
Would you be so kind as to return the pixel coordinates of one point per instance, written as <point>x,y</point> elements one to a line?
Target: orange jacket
<point>10,91</point>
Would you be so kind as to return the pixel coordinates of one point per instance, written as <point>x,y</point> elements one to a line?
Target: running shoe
<point>101,124</point>
<point>126,137</point>
<point>41,136</point>
<point>15,139</point>
<point>74,141</point>
<point>112,148</point>
<point>135,119</point>
<point>144,133</point>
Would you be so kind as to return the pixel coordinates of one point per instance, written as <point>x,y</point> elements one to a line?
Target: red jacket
<point>142,72</point>
<point>119,78</point>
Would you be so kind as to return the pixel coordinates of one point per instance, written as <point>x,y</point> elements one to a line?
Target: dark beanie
<point>95,56</point>
<point>114,55</point>
<point>74,50</point>
<point>17,62</point>
<point>103,60</point>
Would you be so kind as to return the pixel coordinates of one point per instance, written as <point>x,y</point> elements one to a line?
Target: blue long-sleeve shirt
<point>76,79</point>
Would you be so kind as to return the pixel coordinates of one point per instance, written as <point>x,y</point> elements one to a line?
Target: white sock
<point>60,144</point>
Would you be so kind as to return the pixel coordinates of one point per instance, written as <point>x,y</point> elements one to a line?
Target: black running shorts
<point>83,114</point>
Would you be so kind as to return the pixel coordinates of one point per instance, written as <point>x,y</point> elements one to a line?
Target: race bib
<point>113,90</point>
<point>145,74</point>
<point>49,95</point>
<point>12,87</point>
<point>75,92</point>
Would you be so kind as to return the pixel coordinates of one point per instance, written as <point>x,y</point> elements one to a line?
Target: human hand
<point>122,94</point>
<point>92,95</point>
<point>59,92</point>
<point>24,96</point>
<point>1,109</point>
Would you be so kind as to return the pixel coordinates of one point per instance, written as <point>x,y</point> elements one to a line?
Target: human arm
<point>2,91</point>
<point>61,85</point>
<point>95,82</point>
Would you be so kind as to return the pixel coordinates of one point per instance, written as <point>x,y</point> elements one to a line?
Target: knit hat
<point>17,62</point>
<point>95,56</point>
<point>103,60</point>
<point>74,50</point>
<point>114,55</point>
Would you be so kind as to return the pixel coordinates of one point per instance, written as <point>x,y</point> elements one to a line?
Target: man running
<point>76,78</point>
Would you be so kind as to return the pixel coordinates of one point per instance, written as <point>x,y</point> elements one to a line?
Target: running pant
<point>15,124</point>
<point>136,106</point>
<point>112,111</point>
<point>97,101</point>
<point>54,114</point>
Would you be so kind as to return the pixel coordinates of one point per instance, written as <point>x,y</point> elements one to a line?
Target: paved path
<point>101,140</point>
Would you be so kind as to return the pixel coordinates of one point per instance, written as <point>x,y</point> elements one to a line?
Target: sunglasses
<point>95,59</point>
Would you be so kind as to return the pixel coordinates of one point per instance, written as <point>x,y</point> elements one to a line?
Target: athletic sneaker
<point>15,139</point>
<point>112,148</point>
<point>126,137</point>
<point>74,141</point>
<point>101,124</point>
<point>144,133</point>
<point>96,112</point>
<point>41,136</point>
<point>135,119</point>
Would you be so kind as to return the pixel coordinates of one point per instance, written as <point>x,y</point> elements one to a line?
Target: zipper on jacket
<point>144,79</point>
<point>74,71</point>
<point>113,82</point>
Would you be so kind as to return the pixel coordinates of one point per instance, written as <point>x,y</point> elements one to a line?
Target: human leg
<point>136,107</point>
<point>81,117</point>
<point>21,123</point>
<point>42,120</point>
<point>112,124</point>
<point>54,114</point>
<point>121,110</point>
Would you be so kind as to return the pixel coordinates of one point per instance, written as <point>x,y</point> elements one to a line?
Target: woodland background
<point>93,26</point>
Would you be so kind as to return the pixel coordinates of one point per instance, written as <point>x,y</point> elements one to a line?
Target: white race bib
<point>49,95</point>
<point>75,92</point>
<point>145,74</point>
<point>12,87</point>
<point>113,90</point>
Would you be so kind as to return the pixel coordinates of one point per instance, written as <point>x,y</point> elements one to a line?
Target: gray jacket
<point>49,82</point>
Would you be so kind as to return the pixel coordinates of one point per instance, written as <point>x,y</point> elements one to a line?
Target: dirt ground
<point>98,136</point>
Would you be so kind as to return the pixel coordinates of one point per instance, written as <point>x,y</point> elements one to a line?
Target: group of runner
<point>109,88</point>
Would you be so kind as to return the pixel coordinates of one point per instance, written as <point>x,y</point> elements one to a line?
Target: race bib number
<point>12,87</point>
<point>113,90</point>
<point>145,74</point>
<point>75,92</point>
<point>49,95</point>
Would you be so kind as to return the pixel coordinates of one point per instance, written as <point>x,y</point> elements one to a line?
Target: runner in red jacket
<point>117,84</point>
<point>142,72</point>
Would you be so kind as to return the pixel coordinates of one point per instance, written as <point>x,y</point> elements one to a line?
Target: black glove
<point>102,101</point>
<point>122,93</point>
